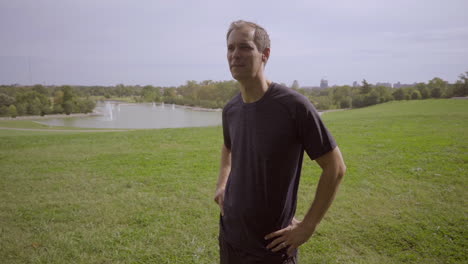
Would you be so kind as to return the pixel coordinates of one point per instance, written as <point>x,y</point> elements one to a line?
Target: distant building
<point>323,84</point>
<point>385,84</point>
<point>355,84</point>
<point>402,85</point>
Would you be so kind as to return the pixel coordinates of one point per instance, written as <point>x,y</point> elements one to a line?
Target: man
<point>266,129</point>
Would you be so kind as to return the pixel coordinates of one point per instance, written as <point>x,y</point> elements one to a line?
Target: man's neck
<point>253,90</point>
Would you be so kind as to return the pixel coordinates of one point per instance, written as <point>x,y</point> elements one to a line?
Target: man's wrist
<point>309,225</point>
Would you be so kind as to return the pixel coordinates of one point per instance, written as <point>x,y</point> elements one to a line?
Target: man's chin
<point>236,76</point>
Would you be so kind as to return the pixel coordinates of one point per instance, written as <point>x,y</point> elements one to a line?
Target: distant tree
<point>423,90</point>
<point>57,109</point>
<point>437,87</point>
<point>358,101</point>
<point>68,107</point>
<point>12,111</point>
<point>123,91</point>
<point>58,97</point>
<point>461,86</point>
<point>170,94</point>
<point>21,108</point>
<point>371,99</point>
<point>40,89</point>
<point>67,93</point>
<point>436,92</point>
<point>3,110</point>
<point>345,102</point>
<point>340,94</point>
<point>34,107</point>
<point>366,87</point>
<point>6,100</point>
<point>323,102</point>
<point>150,94</point>
<point>415,94</point>
<point>384,94</point>
<point>295,85</point>
<point>399,94</point>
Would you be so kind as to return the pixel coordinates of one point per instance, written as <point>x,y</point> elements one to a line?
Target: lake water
<point>123,115</point>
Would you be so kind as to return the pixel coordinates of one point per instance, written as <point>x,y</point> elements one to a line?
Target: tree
<point>170,94</point>
<point>150,94</point>
<point>3,110</point>
<point>67,93</point>
<point>323,102</point>
<point>68,107</point>
<point>345,102</point>
<point>423,90</point>
<point>366,87</point>
<point>57,109</point>
<point>340,94</point>
<point>371,99</point>
<point>295,85</point>
<point>21,108</point>
<point>436,92</point>
<point>384,94</point>
<point>58,98</point>
<point>12,111</point>
<point>40,89</point>
<point>34,107</point>
<point>415,94</point>
<point>461,86</point>
<point>399,94</point>
<point>6,100</point>
<point>437,87</point>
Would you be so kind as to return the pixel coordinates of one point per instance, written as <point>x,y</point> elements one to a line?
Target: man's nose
<point>235,53</point>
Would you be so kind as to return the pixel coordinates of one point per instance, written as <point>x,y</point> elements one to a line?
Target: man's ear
<point>265,55</point>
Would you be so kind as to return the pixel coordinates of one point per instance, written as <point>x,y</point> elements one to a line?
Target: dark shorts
<point>231,255</point>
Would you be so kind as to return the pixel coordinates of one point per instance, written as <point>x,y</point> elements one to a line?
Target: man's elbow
<point>341,171</point>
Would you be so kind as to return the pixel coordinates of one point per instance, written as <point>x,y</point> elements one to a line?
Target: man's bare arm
<point>333,171</point>
<point>224,170</point>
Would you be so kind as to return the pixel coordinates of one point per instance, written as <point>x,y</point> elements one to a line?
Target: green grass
<point>22,124</point>
<point>146,196</point>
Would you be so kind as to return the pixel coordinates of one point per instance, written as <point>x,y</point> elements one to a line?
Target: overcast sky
<point>167,42</point>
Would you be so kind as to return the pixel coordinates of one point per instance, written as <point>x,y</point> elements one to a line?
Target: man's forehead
<point>243,34</point>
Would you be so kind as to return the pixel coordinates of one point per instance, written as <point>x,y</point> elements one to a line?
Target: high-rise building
<point>355,84</point>
<point>323,84</point>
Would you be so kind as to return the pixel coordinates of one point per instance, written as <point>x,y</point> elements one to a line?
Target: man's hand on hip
<point>290,237</point>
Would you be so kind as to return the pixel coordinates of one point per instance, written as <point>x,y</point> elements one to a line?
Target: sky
<point>168,42</point>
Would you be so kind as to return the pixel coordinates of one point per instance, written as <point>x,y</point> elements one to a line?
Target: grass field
<point>146,196</point>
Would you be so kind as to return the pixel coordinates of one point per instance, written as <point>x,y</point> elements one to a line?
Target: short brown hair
<point>261,38</point>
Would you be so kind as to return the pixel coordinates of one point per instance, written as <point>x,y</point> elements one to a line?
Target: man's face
<point>245,60</point>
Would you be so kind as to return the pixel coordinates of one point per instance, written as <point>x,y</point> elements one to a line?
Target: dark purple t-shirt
<point>267,140</point>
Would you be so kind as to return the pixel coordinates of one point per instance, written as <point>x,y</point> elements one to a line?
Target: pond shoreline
<point>38,117</point>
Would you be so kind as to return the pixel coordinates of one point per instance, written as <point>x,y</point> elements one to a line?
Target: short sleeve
<point>227,137</point>
<point>314,136</point>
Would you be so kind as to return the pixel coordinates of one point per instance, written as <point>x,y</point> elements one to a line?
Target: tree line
<point>44,100</point>
<point>40,100</point>
<point>366,94</point>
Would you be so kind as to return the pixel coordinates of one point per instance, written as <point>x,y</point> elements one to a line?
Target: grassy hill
<point>146,196</point>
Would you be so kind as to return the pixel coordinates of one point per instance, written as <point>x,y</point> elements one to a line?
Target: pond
<point>139,116</point>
